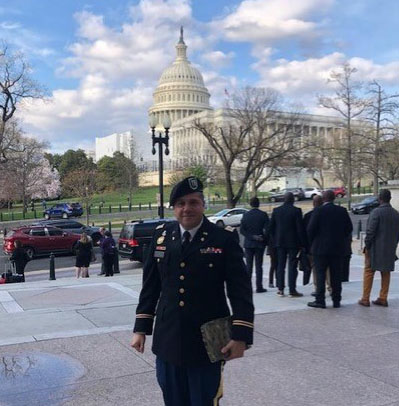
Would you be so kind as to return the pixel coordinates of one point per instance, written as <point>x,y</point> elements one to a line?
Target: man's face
<point>189,210</point>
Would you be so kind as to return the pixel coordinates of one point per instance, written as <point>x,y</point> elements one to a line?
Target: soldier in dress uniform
<point>190,263</point>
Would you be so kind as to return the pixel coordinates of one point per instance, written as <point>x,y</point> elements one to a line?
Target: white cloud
<point>303,80</point>
<point>218,59</point>
<point>218,85</point>
<point>117,70</point>
<point>294,78</point>
<point>263,21</point>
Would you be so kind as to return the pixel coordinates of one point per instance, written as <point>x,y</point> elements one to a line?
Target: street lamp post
<point>160,139</point>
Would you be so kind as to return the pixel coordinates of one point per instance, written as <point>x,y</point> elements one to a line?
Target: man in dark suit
<point>317,202</point>
<point>191,265</point>
<point>288,234</point>
<point>329,228</point>
<point>254,227</point>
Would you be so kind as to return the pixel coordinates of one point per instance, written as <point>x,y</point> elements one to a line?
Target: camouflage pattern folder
<point>216,334</point>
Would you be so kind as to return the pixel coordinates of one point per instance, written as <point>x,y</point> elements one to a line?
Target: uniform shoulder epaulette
<point>229,228</point>
<point>160,226</point>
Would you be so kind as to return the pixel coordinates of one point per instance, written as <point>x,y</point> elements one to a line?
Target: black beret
<point>185,187</point>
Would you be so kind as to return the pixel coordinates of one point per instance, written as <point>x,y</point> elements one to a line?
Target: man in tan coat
<point>382,237</point>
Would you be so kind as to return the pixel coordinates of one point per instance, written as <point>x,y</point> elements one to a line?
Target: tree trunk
<point>229,190</point>
<point>375,184</point>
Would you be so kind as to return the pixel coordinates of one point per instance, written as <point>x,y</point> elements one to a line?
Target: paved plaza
<point>66,342</point>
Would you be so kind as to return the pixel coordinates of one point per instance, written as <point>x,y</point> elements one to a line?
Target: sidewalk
<point>66,342</point>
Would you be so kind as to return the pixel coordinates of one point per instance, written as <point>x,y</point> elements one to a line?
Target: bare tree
<point>259,177</point>
<point>349,104</point>
<point>253,134</point>
<point>315,158</point>
<point>381,113</point>
<point>389,165</point>
<point>81,183</point>
<point>16,85</point>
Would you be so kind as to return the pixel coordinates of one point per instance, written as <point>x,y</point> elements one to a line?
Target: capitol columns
<point>160,140</point>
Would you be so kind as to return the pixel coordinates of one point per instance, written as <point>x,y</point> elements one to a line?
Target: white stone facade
<point>117,142</point>
<point>191,147</point>
<point>181,91</point>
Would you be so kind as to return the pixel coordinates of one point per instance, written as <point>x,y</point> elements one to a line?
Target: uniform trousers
<point>334,264</point>
<point>258,253</point>
<point>369,278</point>
<point>190,386</point>
<point>282,254</point>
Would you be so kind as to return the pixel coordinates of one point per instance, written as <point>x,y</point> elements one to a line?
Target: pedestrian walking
<point>190,266</point>
<point>288,235</point>
<point>254,227</point>
<point>328,230</point>
<point>84,252</point>
<point>382,236</point>
<point>20,259</point>
<point>108,248</point>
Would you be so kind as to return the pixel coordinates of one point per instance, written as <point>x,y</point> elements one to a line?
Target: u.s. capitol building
<point>182,94</point>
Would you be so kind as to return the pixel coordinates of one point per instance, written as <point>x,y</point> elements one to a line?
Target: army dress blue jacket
<point>187,289</point>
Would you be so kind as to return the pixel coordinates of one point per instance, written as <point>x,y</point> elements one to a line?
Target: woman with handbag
<point>84,252</point>
<point>20,258</point>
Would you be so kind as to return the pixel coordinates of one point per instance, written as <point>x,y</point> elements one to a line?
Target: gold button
<point>181,290</point>
<point>211,265</point>
<point>182,264</point>
<point>181,303</point>
<point>182,277</point>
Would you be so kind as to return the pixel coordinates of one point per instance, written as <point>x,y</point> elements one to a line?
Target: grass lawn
<point>117,201</point>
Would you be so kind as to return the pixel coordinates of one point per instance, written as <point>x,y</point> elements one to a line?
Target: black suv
<point>135,238</point>
<point>279,196</point>
<point>74,227</point>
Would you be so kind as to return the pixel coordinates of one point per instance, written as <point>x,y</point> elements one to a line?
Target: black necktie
<point>186,240</point>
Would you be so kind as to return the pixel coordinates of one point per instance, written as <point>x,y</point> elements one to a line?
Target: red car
<point>339,191</point>
<point>41,240</point>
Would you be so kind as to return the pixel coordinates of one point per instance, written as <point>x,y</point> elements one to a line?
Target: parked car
<point>136,236</point>
<point>72,226</point>
<point>279,196</point>
<point>40,240</point>
<point>310,192</point>
<point>338,191</point>
<point>365,206</point>
<point>63,210</point>
<point>228,217</point>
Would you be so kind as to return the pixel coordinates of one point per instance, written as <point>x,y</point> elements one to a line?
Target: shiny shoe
<point>336,305</point>
<point>295,294</point>
<point>280,293</point>
<point>380,302</point>
<point>317,305</point>
<point>363,302</point>
<point>261,290</point>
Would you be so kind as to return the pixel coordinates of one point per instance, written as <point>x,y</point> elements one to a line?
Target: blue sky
<point>101,60</point>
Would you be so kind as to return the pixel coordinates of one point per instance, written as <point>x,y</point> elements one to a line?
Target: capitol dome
<point>181,91</point>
